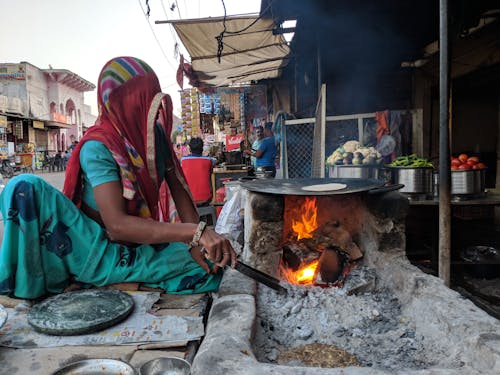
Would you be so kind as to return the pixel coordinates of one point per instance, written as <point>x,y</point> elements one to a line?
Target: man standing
<point>266,153</point>
<point>198,171</point>
<point>259,136</point>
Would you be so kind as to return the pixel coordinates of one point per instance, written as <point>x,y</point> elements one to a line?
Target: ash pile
<point>364,325</point>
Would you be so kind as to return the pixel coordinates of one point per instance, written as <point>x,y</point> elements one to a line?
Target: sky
<point>82,35</point>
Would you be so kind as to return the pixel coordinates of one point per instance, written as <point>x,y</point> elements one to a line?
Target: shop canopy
<point>250,50</point>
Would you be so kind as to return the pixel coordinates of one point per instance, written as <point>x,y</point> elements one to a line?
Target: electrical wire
<point>156,38</point>
<point>178,10</point>
<point>252,23</point>
<point>220,37</point>
<point>172,31</point>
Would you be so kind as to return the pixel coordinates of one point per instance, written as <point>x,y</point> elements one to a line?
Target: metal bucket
<point>353,171</point>
<point>416,180</point>
<point>468,182</point>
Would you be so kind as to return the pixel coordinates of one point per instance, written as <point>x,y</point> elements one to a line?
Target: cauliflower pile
<point>351,153</point>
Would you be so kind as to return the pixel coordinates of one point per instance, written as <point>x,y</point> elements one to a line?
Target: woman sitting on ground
<point>127,215</point>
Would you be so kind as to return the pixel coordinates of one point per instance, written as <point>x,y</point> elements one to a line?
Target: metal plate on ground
<point>97,367</point>
<point>3,316</point>
<point>80,312</point>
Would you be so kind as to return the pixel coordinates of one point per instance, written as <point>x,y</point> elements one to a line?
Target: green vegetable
<point>410,161</point>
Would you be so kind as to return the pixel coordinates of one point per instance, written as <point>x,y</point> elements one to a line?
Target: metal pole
<point>444,147</point>
<point>318,59</point>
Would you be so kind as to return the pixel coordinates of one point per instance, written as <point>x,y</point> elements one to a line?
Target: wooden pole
<point>444,147</point>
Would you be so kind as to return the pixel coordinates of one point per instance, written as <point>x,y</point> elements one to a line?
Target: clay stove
<point>307,237</point>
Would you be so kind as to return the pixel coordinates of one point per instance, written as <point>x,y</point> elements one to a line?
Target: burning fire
<point>303,276</point>
<point>308,224</point>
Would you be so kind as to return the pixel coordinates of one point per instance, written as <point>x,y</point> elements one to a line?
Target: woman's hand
<point>198,254</point>
<point>217,249</point>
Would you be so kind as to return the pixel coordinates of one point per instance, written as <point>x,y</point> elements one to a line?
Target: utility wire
<point>156,38</point>
<point>220,45</point>
<point>220,37</point>
<point>178,10</point>
<point>174,37</point>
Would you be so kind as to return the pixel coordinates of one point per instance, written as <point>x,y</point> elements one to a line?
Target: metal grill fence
<point>298,150</point>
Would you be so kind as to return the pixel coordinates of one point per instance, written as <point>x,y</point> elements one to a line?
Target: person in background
<point>58,161</point>
<point>126,215</point>
<point>266,153</point>
<point>198,171</point>
<point>259,136</point>
<point>178,151</point>
<point>184,149</point>
<point>66,156</point>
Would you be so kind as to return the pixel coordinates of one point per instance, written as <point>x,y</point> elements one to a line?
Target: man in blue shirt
<point>266,153</point>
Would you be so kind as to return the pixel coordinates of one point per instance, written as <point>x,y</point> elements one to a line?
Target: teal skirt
<point>49,243</point>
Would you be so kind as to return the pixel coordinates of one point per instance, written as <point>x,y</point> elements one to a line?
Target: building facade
<point>41,110</point>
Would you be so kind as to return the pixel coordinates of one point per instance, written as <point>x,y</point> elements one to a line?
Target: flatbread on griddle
<point>325,187</point>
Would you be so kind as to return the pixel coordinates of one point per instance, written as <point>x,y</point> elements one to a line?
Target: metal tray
<point>80,312</point>
<point>97,367</point>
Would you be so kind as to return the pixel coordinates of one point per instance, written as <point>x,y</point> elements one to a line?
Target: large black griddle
<point>294,186</point>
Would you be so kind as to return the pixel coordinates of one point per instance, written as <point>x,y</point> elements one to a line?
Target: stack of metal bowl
<point>416,180</point>
<point>468,183</point>
<point>354,171</point>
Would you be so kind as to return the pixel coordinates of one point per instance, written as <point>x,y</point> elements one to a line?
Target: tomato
<point>475,159</point>
<point>464,167</point>
<point>455,162</point>
<point>463,157</point>
<point>480,165</point>
<point>471,162</point>
<point>454,167</point>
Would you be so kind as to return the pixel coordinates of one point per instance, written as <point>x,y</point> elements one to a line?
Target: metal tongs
<point>256,275</point>
<point>260,276</point>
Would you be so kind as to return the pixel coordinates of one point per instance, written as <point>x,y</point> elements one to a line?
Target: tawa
<point>80,312</point>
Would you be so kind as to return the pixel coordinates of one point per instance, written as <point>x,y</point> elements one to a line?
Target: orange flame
<point>304,275</point>
<point>308,224</point>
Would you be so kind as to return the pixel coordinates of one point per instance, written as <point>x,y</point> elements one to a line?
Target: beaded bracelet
<point>197,234</point>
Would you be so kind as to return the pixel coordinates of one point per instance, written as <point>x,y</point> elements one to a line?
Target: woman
<point>127,216</point>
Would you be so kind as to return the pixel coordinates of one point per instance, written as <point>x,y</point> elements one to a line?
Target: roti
<point>325,187</point>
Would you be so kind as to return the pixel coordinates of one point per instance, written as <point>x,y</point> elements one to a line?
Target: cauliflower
<point>351,146</point>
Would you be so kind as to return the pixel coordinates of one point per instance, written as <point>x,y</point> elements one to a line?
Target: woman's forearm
<point>144,231</point>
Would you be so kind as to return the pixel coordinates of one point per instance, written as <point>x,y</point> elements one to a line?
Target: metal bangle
<point>197,234</point>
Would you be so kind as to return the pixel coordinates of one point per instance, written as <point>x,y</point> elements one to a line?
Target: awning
<point>250,50</point>
<point>55,124</point>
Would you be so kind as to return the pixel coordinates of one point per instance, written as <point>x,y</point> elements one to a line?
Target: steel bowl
<point>471,181</point>
<point>353,171</point>
<point>166,366</point>
<point>416,180</point>
<point>101,366</point>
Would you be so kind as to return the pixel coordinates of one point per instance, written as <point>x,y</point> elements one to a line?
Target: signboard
<point>3,121</point>
<point>233,141</point>
<point>38,124</point>
<point>12,71</point>
<point>59,117</point>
